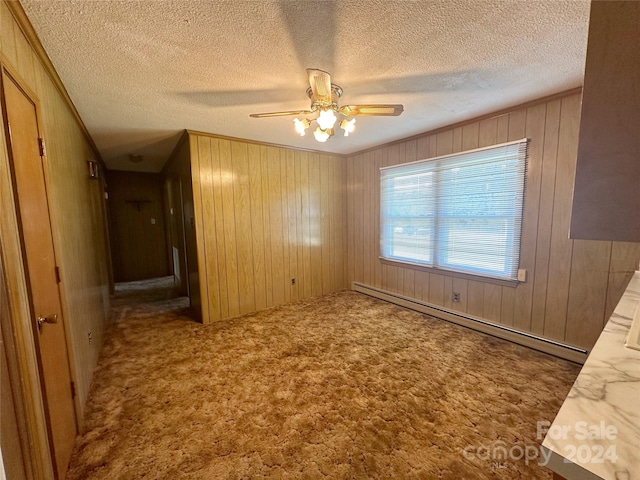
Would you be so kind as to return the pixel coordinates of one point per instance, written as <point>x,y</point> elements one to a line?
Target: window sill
<point>450,273</point>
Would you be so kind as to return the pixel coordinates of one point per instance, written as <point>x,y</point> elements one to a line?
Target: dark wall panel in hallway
<point>138,239</point>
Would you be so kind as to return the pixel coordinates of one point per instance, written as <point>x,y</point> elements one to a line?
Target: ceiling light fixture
<point>326,120</point>
<point>326,113</point>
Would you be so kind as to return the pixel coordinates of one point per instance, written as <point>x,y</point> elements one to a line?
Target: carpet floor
<point>343,386</point>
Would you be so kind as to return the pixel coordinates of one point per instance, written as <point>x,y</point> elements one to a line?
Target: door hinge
<point>73,390</point>
<point>41,147</point>
<point>57,274</point>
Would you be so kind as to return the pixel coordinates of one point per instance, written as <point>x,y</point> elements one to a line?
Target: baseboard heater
<point>558,349</point>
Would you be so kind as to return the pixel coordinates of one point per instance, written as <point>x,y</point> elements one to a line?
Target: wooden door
<point>51,345</point>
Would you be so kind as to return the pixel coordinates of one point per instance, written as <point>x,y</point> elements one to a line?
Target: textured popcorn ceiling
<point>139,72</point>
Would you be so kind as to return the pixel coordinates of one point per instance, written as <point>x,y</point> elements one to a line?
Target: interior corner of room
<point>242,223</point>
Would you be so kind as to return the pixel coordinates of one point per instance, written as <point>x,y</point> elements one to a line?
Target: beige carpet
<point>343,386</point>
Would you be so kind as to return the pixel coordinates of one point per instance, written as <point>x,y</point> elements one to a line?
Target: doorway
<point>30,190</point>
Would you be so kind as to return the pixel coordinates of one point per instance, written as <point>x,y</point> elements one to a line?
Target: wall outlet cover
<point>522,275</point>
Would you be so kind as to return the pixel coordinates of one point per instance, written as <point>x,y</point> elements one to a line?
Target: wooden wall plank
<point>534,130</point>
<point>502,132</point>
<point>587,291</point>
<point>508,295</point>
<point>275,224</point>
<point>510,127</point>
<point>358,224</point>
<point>475,302</point>
<point>436,289</point>
<point>487,132</point>
<point>470,134</point>
<point>26,60</point>
<point>492,296</point>
<point>242,217</point>
<point>545,213</point>
<point>457,140</point>
<point>228,177</point>
<point>492,302</point>
<point>507,308</point>
<point>444,143</point>
<point>391,157</point>
<point>325,219</point>
<point>257,225</point>
<point>351,212</point>
<point>367,219</point>
<point>447,300</point>
<point>377,265</point>
<point>422,286</point>
<point>293,211</point>
<point>316,224</point>
<point>306,225</point>
<point>208,239</point>
<point>9,48</point>
<point>517,124</point>
<point>561,246</point>
<point>219,177</point>
<point>338,225</point>
<point>284,235</point>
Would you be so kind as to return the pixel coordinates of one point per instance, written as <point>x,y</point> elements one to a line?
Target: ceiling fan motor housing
<point>317,103</point>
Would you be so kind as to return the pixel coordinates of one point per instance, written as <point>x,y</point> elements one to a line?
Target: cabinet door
<point>607,184</point>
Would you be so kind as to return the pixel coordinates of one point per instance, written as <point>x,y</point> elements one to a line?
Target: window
<point>460,212</point>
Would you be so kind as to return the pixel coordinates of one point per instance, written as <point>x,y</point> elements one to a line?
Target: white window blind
<point>460,212</point>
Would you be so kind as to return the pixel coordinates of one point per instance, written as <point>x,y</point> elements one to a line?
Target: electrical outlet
<point>455,297</point>
<point>522,275</point>
<point>293,280</point>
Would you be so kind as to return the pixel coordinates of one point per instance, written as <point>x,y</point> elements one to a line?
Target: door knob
<point>49,319</point>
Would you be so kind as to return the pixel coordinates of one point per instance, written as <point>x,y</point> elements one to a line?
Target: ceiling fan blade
<point>320,82</point>
<point>281,114</point>
<point>377,110</point>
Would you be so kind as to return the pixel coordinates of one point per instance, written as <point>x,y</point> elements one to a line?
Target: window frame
<point>513,218</point>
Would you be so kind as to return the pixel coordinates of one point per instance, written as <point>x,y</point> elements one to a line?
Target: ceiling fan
<point>324,97</point>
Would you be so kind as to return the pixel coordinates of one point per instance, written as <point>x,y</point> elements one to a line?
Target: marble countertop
<point>596,434</point>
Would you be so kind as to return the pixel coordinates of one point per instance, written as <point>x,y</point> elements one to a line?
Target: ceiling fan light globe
<point>348,126</point>
<point>321,135</point>
<point>301,125</point>
<point>327,119</point>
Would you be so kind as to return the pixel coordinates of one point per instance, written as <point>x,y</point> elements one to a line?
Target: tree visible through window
<point>460,212</point>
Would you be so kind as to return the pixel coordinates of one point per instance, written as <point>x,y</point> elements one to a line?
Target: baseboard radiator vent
<point>558,349</point>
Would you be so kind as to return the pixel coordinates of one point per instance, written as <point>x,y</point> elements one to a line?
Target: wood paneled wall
<point>77,213</point>
<point>138,241</point>
<point>265,215</point>
<point>14,440</point>
<point>572,285</point>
